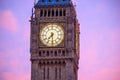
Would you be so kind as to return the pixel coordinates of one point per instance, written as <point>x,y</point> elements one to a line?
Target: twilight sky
<point>99,39</point>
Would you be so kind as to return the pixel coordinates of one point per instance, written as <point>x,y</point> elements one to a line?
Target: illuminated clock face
<point>52,35</point>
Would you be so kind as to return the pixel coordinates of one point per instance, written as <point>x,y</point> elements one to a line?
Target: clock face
<point>51,35</point>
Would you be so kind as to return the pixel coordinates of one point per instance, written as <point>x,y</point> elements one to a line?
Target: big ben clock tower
<point>54,41</point>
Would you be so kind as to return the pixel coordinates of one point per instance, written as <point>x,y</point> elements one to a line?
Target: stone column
<point>40,72</point>
<point>69,70</point>
<point>34,71</point>
<point>63,73</point>
<point>52,72</point>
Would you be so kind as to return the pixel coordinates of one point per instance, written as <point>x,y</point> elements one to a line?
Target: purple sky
<point>99,39</point>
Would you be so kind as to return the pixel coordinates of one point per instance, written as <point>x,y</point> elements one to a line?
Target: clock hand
<point>51,35</point>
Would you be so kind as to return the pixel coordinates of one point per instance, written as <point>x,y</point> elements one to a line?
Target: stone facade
<point>60,62</point>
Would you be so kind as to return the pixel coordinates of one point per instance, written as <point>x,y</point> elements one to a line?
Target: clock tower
<point>54,40</point>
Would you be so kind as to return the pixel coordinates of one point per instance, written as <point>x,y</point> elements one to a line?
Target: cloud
<point>15,59</point>
<point>100,54</point>
<point>11,76</point>
<point>108,74</point>
<point>8,20</point>
<point>105,73</point>
<point>14,64</point>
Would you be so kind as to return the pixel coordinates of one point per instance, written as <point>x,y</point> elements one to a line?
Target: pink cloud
<point>11,76</point>
<point>105,73</point>
<point>100,58</point>
<point>13,65</point>
<point>8,20</point>
<point>108,74</point>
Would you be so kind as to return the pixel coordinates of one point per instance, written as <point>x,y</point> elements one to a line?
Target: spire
<point>34,2</point>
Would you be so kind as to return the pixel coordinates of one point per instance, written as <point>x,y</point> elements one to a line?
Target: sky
<point>99,39</point>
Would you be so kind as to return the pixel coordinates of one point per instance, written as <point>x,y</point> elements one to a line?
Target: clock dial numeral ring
<point>52,35</point>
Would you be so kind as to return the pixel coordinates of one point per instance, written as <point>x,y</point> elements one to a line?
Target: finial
<point>34,2</point>
<point>74,3</point>
<point>32,10</point>
<point>32,13</point>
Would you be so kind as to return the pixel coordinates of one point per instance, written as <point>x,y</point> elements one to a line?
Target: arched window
<point>51,51</point>
<point>39,53</point>
<point>64,13</point>
<point>48,13</point>
<point>60,12</point>
<point>63,62</point>
<point>55,53</point>
<point>45,13</point>
<point>47,53</point>
<point>52,12</point>
<point>56,12</point>
<point>63,53</point>
<point>41,13</point>
<point>43,51</point>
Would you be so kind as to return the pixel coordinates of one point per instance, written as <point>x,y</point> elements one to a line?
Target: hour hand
<point>51,35</point>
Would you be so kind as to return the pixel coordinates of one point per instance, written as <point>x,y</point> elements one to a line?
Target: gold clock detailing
<point>52,34</point>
